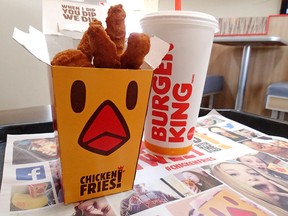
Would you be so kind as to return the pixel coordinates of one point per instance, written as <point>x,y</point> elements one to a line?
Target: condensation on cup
<point>178,82</point>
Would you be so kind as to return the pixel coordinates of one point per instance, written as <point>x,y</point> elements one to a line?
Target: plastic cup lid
<point>181,17</point>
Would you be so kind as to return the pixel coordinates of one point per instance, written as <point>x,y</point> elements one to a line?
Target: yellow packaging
<point>100,118</point>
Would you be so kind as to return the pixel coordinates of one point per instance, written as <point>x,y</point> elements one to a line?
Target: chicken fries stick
<point>103,48</point>
<point>84,44</point>
<point>116,29</point>
<point>138,46</point>
<point>71,57</point>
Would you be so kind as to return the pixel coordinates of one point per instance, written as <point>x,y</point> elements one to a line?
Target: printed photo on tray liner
<point>32,173</point>
<point>31,196</point>
<point>267,164</point>
<point>208,147</point>
<point>265,190</point>
<point>203,142</point>
<point>93,207</point>
<point>55,169</point>
<point>273,145</point>
<point>191,182</point>
<point>34,150</point>
<point>247,133</point>
<point>226,133</point>
<point>144,196</point>
<point>217,201</point>
<point>209,121</point>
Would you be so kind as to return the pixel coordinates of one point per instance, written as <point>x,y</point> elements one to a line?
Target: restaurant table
<point>247,42</point>
<point>39,120</point>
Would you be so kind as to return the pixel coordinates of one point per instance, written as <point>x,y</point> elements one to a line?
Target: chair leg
<point>274,114</point>
<point>211,100</point>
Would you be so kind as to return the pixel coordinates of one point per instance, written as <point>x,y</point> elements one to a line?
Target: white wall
<point>24,79</point>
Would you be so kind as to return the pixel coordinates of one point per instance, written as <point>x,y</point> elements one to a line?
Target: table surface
<point>251,40</point>
<point>25,115</point>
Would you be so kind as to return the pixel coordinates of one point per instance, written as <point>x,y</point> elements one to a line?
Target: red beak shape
<point>105,131</point>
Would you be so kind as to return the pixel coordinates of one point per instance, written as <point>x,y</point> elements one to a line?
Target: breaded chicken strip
<point>116,29</point>
<point>137,48</point>
<point>71,57</point>
<point>84,44</point>
<point>103,48</point>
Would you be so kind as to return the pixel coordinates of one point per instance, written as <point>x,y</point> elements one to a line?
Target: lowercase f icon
<point>30,173</point>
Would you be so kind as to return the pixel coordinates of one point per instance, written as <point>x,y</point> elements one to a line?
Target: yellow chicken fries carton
<point>99,116</point>
<point>98,119</point>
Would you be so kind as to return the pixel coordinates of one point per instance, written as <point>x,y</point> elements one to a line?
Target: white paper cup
<point>178,83</point>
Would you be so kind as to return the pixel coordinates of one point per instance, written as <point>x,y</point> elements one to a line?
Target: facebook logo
<point>30,173</point>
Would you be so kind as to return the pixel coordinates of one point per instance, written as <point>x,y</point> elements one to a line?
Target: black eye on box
<point>132,95</point>
<point>78,96</point>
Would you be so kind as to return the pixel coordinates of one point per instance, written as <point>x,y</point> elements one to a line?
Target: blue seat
<point>213,85</point>
<point>277,99</point>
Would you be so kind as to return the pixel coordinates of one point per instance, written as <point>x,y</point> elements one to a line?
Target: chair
<point>213,85</point>
<point>277,99</point>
